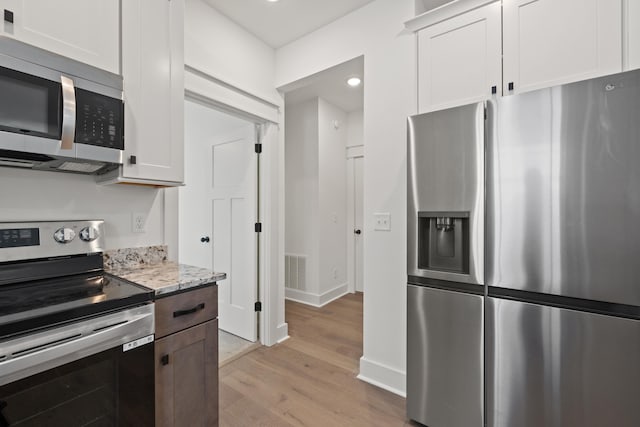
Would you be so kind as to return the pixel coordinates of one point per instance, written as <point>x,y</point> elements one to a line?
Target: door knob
<point>204,239</point>
<point>357,231</point>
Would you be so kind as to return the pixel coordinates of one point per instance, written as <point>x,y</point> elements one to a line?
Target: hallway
<point>310,379</point>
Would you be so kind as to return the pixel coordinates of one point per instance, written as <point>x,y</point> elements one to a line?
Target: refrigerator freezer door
<point>446,179</point>
<point>445,357</point>
<point>555,367</point>
<point>563,191</point>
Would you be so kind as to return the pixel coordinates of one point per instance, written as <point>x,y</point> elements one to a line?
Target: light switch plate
<point>382,221</point>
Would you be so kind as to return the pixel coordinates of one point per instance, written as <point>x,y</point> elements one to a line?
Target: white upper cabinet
<point>459,59</point>
<point>632,34</point>
<point>85,30</point>
<point>550,42</point>
<point>153,72</point>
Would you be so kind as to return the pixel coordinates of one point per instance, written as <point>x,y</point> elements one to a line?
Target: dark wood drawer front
<point>184,310</point>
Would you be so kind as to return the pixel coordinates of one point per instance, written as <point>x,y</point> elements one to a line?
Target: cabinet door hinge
<point>164,359</point>
<point>258,148</point>
<point>257,306</point>
<point>258,227</point>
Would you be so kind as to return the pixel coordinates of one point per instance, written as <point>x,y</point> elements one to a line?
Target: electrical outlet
<point>138,222</point>
<point>382,221</point>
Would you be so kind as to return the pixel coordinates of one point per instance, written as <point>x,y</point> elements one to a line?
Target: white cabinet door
<point>550,42</point>
<point>632,34</point>
<point>85,30</point>
<point>153,71</point>
<point>459,60</point>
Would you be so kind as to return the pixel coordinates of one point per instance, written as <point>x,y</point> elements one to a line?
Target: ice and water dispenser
<point>443,241</point>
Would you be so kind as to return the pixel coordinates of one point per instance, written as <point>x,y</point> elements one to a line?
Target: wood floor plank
<point>310,379</point>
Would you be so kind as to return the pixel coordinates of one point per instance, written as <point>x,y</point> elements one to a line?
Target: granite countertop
<point>167,276</point>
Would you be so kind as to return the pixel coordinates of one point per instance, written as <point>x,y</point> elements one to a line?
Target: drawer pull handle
<point>189,311</point>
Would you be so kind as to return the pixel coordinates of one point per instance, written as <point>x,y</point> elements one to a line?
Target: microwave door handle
<point>68,113</point>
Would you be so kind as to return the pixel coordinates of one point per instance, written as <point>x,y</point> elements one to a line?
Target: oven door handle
<point>68,113</point>
<point>32,354</point>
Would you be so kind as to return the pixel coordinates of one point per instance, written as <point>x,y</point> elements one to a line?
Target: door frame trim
<point>272,327</point>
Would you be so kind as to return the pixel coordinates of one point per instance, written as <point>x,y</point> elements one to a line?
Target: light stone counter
<point>156,273</point>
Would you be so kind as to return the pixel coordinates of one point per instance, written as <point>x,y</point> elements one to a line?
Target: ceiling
<point>285,20</point>
<point>330,85</point>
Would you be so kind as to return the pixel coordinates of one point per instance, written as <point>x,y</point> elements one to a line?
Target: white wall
<point>332,198</point>
<point>355,128</point>
<point>301,187</point>
<point>316,198</point>
<point>29,195</point>
<point>376,30</point>
<point>219,47</point>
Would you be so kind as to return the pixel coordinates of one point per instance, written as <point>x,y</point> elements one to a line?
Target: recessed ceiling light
<point>272,1</point>
<point>354,81</point>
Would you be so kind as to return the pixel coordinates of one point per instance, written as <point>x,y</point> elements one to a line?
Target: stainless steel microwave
<point>58,114</point>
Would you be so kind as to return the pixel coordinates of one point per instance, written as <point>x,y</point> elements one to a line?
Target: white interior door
<point>194,209</point>
<point>358,219</point>
<point>217,211</point>
<point>233,207</point>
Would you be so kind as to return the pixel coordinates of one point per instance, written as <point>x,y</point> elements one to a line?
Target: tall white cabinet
<point>459,59</point>
<point>85,30</point>
<point>153,71</point>
<point>550,42</point>
<point>631,40</point>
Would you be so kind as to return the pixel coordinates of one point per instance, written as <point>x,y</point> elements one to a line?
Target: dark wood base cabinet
<point>186,365</point>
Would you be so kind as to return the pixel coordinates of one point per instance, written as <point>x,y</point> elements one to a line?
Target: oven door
<point>98,372</point>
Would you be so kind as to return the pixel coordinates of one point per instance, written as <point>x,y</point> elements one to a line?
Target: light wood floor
<point>310,379</point>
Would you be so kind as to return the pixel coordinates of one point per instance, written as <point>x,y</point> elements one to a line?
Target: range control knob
<point>64,235</point>
<point>89,234</point>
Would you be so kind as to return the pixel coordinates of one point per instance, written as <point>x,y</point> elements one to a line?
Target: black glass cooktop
<point>37,304</point>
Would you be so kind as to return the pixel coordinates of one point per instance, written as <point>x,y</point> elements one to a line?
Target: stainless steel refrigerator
<point>561,256</point>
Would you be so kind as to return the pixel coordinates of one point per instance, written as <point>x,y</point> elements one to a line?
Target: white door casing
<point>210,91</point>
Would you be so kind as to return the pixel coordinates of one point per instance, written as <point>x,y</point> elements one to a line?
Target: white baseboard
<point>283,333</point>
<point>315,299</point>
<point>383,376</point>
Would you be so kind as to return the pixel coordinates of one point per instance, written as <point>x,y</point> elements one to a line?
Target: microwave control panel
<point>99,120</point>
